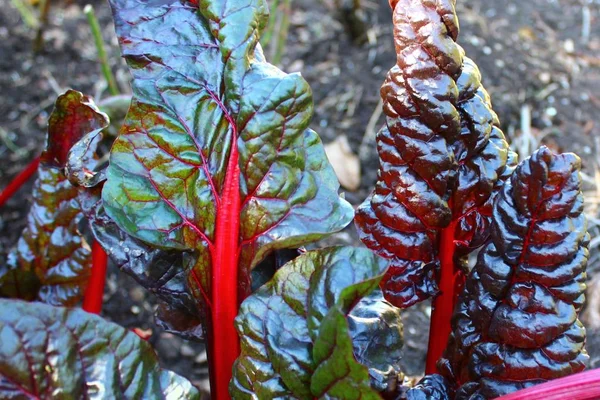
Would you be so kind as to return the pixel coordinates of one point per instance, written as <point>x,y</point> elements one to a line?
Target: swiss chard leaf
<point>303,332</point>
<point>53,352</point>
<point>516,323</point>
<point>51,261</point>
<point>215,155</point>
<point>441,155</point>
<point>431,387</point>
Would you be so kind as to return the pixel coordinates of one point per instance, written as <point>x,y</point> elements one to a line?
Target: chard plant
<point>215,173</point>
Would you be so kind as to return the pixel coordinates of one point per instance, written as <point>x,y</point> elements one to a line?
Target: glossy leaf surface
<point>431,387</point>
<point>516,323</point>
<point>215,155</point>
<point>77,125</point>
<point>304,333</point>
<point>52,352</point>
<point>159,271</point>
<point>203,95</point>
<point>51,261</point>
<point>441,155</point>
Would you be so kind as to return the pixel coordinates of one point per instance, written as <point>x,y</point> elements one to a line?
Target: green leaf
<point>216,156</point>
<point>58,353</point>
<point>287,325</point>
<point>338,374</point>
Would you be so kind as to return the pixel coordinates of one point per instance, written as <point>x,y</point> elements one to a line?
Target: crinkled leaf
<point>215,156</point>
<point>52,352</point>
<point>280,324</point>
<point>51,261</point>
<point>75,132</point>
<point>157,270</point>
<point>441,154</point>
<point>516,323</point>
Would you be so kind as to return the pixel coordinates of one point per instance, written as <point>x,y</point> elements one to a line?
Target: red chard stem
<point>92,301</point>
<point>19,181</point>
<point>224,341</point>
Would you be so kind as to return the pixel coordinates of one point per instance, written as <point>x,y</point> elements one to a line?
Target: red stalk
<point>19,180</point>
<point>582,386</point>
<point>92,300</point>
<point>224,345</point>
<point>443,304</point>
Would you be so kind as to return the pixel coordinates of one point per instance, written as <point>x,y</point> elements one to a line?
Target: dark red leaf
<point>441,155</point>
<point>516,323</point>
<point>51,261</point>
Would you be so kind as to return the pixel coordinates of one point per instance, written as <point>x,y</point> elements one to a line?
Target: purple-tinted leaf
<point>431,387</point>
<point>52,352</point>
<point>338,375</point>
<point>377,338</point>
<point>178,321</point>
<point>516,323</point>
<point>287,349</point>
<point>157,270</point>
<point>51,261</point>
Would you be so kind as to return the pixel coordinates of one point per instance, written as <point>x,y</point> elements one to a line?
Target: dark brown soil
<point>531,54</point>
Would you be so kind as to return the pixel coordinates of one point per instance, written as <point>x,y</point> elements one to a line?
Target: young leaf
<point>215,155</point>
<point>74,116</point>
<point>441,156</point>
<point>516,323</point>
<point>303,332</point>
<point>53,352</point>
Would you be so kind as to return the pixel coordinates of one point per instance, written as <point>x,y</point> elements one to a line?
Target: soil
<point>535,63</point>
